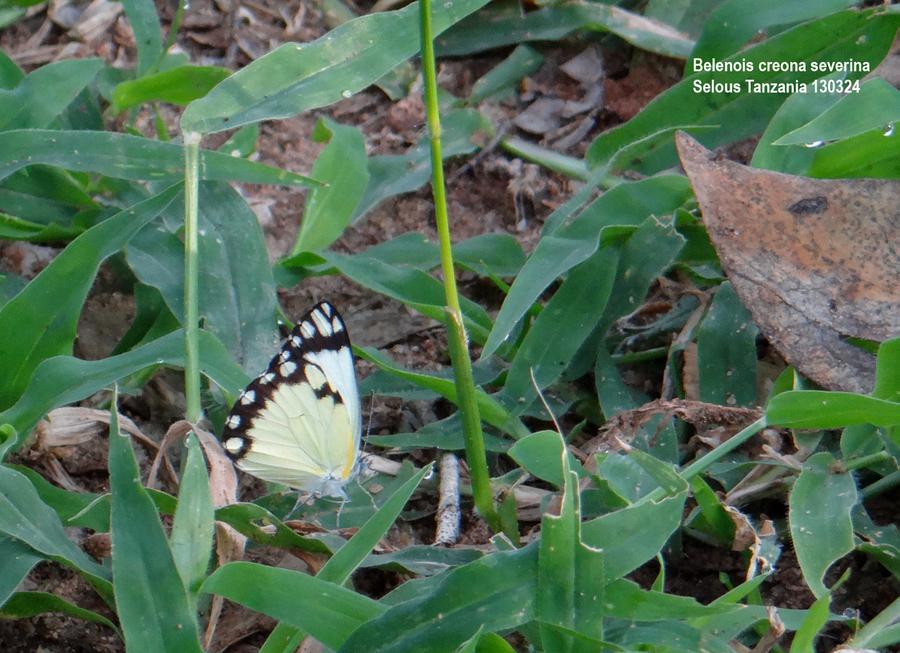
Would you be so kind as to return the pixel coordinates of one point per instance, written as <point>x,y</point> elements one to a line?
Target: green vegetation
<point>122,197</point>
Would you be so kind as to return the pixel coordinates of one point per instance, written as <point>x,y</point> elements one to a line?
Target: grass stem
<point>193,407</point>
<point>458,340</point>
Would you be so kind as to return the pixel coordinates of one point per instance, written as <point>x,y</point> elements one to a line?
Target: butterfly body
<point>299,422</point>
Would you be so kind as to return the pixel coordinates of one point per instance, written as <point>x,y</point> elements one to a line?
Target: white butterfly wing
<point>299,423</point>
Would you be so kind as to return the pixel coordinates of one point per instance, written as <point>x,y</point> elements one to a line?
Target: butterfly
<point>299,422</point>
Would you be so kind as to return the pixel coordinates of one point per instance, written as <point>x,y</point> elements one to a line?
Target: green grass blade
<point>128,157</point>
<point>862,36</point>
<point>633,535</point>
<point>180,86</point>
<point>342,165</point>
<point>495,593</point>
<point>578,303</point>
<point>571,575</point>
<point>820,409</point>
<point>40,321</point>
<point>325,610</point>
<point>151,601</point>
<point>491,410</point>
<point>571,244</point>
<point>726,351</point>
<point>821,528</point>
<point>23,605</point>
<point>147,33</point>
<point>495,28</point>
<point>343,563</point>
<point>876,105</point>
<point>39,98</point>
<point>62,379</point>
<point>231,255</point>
<point>18,561</point>
<point>192,528</point>
<point>815,619</point>
<point>298,77</point>
<point>730,26</point>
<point>24,517</point>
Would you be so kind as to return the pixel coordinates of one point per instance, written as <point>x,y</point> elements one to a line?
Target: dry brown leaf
<point>814,260</point>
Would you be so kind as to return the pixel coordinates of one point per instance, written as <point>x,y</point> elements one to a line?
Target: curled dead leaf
<point>816,261</point>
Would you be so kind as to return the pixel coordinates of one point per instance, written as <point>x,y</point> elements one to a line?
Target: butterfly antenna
<point>543,400</point>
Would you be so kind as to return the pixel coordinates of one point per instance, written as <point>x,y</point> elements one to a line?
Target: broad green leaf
<point>490,255</point>
<point>242,142</point>
<point>13,228</point>
<point>147,33</point>
<point>23,605</point>
<point>127,157</point>
<point>615,396</point>
<point>262,527</point>
<point>151,601</point>
<point>816,618</point>
<point>546,158</point>
<point>509,25</point>
<point>631,536</point>
<point>485,643</point>
<point>423,560</point>
<point>821,528</point>
<point>236,287</point>
<point>395,174</point>
<point>562,247</point>
<point>10,73</point>
<point>445,434</point>
<point>730,26</point>
<point>819,409</point>
<point>191,540</point>
<point>875,106</point>
<point>875,153</point>
<point>887,381</point>
<point>62,380</point>
<point>74,508</point>
<point>342,166</point>
<point>180,86</point>
<point>576,306</point>
<point>647,254</point>
<point>688,16</point>
<point>625,599</point>
<point>24,517</point>
<point>40,321</point>
<point>415,288</point>
<point>625,476</point>
<point>36,207</point>
<point>540,454</point>
<point>45,93</point>
<point>571,574</point>
<point>860,36</point>
<point>797,110</point>
<point>490,410</point>
<point>350,556</point>
<point>521,62</point>
<point>51,184</point>
<point>726,351</point>
<point>495,592</point>
<point>297,77</point>
<point>714,517</point>
<point>18,560</point>
<point>325,610</point>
